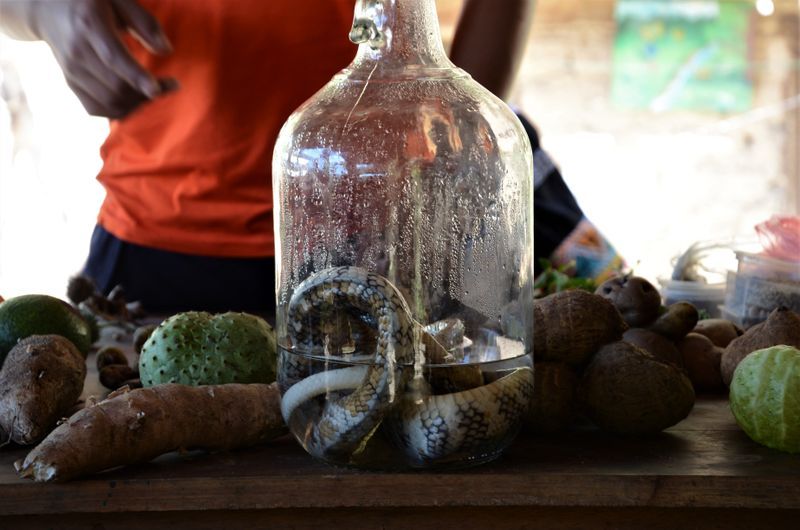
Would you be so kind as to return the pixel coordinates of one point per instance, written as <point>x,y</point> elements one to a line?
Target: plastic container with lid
<point>767,268</point>
<point>760,285</point>
<point>704,296</point>
<point>698,275</point>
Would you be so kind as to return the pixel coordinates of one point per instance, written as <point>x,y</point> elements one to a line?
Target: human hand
<point>85,36</point>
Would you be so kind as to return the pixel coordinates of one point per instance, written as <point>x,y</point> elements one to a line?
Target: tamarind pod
<point>113,376</point>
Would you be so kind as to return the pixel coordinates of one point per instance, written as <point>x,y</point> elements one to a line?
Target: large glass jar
<point>404,216</point>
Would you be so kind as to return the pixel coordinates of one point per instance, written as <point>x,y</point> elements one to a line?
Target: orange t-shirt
<point>190,172</point>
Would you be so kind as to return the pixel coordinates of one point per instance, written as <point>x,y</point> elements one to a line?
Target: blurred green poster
<point>682,54</point>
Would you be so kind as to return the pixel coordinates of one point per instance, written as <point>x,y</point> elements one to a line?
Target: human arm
<point>85,36</point>
<point>490,39</point>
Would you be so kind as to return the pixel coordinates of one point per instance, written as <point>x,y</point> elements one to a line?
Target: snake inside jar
<point>429,426</point>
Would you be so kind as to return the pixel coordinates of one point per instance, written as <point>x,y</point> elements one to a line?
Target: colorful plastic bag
<point>780,237</point>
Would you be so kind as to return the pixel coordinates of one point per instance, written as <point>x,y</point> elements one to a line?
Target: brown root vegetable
<point>570,326</point>
<point>110,355</point>
<point>701,358</point>
<point>782,326</point>
<point>553,404</point>
<point>115,376</point>
<point>654,343</point>
<point>677,321</point>
<point>718,330</point>
<point>634,297</point>
<point>139,425</point>
<point>625,390</point>
<point>40,381</point>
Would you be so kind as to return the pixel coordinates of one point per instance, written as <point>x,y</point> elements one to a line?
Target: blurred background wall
<point>672,121</point>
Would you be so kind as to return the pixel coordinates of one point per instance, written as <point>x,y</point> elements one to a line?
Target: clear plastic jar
<point>404,216</point>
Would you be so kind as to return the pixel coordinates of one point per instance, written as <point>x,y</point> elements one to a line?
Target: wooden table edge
<point>396,491</point>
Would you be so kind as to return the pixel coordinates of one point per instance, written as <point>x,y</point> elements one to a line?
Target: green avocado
<point>40,314</point>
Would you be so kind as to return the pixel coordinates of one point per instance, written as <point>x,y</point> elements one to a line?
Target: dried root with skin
<point>40,381</point>
<point>139,425</point>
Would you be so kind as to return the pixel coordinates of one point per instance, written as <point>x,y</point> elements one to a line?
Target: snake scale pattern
<point>430,427</point>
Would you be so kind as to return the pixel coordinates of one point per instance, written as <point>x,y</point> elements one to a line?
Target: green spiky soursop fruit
<point>765,397</point>
<point>198,348</point>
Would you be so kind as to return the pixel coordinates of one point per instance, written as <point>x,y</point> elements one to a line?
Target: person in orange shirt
<point>197,91</point>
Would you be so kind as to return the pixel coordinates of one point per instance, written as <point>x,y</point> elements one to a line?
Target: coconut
<point>626,390</point>
<point>569,326</point>
<point>782,326</point>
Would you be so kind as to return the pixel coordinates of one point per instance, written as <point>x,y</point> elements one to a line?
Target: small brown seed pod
<point>114,376</point>
<point>80,288</point>
<point>110,355</point>
<point>140,336</point>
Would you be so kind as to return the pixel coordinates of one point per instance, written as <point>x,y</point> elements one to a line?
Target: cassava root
<point>139,425</point>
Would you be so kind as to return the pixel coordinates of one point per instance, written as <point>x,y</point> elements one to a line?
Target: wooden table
<point>702,473</point>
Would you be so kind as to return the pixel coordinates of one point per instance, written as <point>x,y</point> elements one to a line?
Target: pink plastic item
<point>780,237</point>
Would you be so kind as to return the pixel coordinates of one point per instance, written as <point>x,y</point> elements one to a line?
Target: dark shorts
<point>169,282</point>
<point>555,211</point>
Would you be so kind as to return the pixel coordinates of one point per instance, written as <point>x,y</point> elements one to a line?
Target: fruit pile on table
<point>615,357</point>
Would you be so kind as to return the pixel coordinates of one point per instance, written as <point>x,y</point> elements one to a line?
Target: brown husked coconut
<point>625,390</point>
<point>654,343</point>
<point>553,402</point>
<point>782,326</point>
<point>718,330</point>
<point>569,326</point>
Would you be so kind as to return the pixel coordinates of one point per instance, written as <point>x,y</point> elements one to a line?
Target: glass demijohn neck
<point>395,35</point>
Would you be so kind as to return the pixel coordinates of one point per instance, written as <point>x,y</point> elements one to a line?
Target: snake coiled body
<point>429,426</point>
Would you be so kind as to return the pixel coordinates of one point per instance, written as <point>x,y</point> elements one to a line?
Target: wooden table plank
<point>704,462</point>
<point>494,518</point>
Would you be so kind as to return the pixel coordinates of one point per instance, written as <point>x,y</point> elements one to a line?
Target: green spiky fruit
<point>765,397</point>
<point>198,348</point>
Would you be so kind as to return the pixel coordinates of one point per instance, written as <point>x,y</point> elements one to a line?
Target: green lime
<point>40,314</point>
